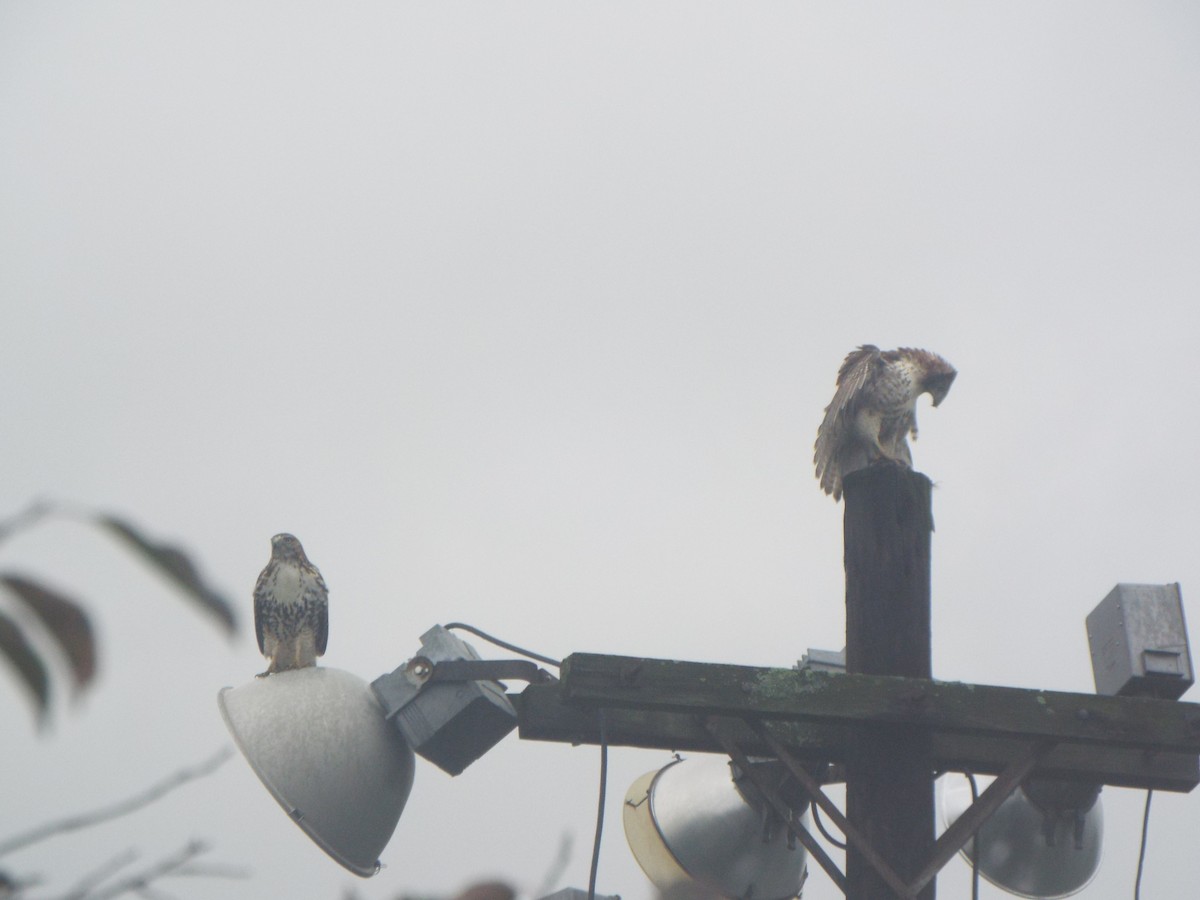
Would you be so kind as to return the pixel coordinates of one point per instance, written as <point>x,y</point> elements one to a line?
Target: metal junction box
<point>1139,642</point>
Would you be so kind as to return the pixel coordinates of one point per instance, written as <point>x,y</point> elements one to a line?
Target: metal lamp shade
<point>317,739</point>
<point>1014,853</point>
<point>691,831</point>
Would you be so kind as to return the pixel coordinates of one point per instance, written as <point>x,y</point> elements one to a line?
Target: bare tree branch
<point>558,865</point>
<point>107,870</point>
<point>212,870</point>
<point>26,518</point>
<point>121,808</point>
<point>140,882</point>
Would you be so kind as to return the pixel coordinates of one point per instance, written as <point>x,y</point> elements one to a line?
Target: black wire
<point>821,828</point>
<point>600,806</point>
<point>1137,885</point>
<point>550,661</point>
<point>974,841</point>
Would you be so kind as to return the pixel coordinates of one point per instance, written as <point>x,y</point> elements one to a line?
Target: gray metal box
<point>824,661</point>
<point>451,724</point>
<point>1139,643</point>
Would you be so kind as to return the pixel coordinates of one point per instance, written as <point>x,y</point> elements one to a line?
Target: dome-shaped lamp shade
<point>1025,852</point>
<point>690,829</point>
<point>318,740</point>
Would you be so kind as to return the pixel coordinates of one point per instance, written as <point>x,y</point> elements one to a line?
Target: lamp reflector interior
<point>689,826</point>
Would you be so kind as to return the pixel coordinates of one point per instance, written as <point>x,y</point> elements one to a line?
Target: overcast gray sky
<point>525,315</point>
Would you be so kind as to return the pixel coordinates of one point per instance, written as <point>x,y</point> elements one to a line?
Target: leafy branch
<point>63,620</point>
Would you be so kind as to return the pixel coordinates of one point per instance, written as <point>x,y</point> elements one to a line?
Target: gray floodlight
<point>318,740</point>
<point>337,753</point>
<point>449,723</point>
<point>695,831</point>
<point>1043,842</point>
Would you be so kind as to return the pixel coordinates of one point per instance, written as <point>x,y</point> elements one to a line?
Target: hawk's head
<point>285,546</point>
<point>939,375</point>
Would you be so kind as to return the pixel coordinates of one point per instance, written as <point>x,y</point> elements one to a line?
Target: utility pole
<point>885,726</point>
<point>889,771</point>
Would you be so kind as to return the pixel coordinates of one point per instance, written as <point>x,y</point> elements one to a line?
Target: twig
<point>558,865</point>
<point>121,808</point>
<point>140,882</point>
<point>212,870</point>
<point>26,518</point>
<point>107,870</point>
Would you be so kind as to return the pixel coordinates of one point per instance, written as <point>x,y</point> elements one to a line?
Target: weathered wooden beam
<point>543,715</point>
<point>1135,723</point>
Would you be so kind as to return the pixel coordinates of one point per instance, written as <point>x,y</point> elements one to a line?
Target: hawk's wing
<point>321,634</point>
<point>260,592</point>
<point>856,369</point>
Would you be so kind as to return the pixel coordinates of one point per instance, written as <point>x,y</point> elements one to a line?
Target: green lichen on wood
<point>782,684</point>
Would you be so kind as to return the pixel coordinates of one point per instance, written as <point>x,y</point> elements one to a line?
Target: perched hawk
<point>875,409</point>
<point>291,608</point>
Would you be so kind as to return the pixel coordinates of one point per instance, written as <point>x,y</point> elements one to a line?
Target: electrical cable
<point>600,806</point>
<point>974,841</point>
<point>1137,885</point>
<point>548,660</point>
<point>841,845</point>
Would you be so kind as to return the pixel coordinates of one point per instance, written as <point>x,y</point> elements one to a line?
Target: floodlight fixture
<point>318,740</point>
<point>1043,842</point>
<point>451,723</point>
<point>697,827</point>
<point>337,753</point>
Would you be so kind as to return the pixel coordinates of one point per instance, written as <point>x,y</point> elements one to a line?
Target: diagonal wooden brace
<point>964,827</point>
<point>805,837</point>
<point>853,835</point>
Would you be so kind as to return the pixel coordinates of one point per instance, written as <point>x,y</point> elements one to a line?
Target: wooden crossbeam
<point>1134,723</point>
<point>543,715</point>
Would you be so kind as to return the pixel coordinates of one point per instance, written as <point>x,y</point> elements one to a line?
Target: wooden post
<point>889,771</point>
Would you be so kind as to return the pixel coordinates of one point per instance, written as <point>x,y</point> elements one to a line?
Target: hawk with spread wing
<point>875,409</point>
<point>291,608</point>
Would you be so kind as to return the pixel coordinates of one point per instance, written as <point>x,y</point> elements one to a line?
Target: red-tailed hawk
<point>291,608</point>
<point>875,409</point>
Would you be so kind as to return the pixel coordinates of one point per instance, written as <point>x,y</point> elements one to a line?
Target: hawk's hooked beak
<point>940,388</point>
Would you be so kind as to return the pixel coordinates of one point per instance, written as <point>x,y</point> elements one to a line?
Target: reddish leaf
<point>22,657</point>
<point>178,567</point>
<point>66,622</point>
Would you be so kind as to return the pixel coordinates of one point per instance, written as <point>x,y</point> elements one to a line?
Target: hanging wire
<point>974,841</point>
<point>841,845</point>
<point>548,660</point>
<point>599,805</point>
<point>1137,885</point>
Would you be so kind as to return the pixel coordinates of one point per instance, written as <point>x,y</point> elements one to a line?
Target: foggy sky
<point>525,315</point>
